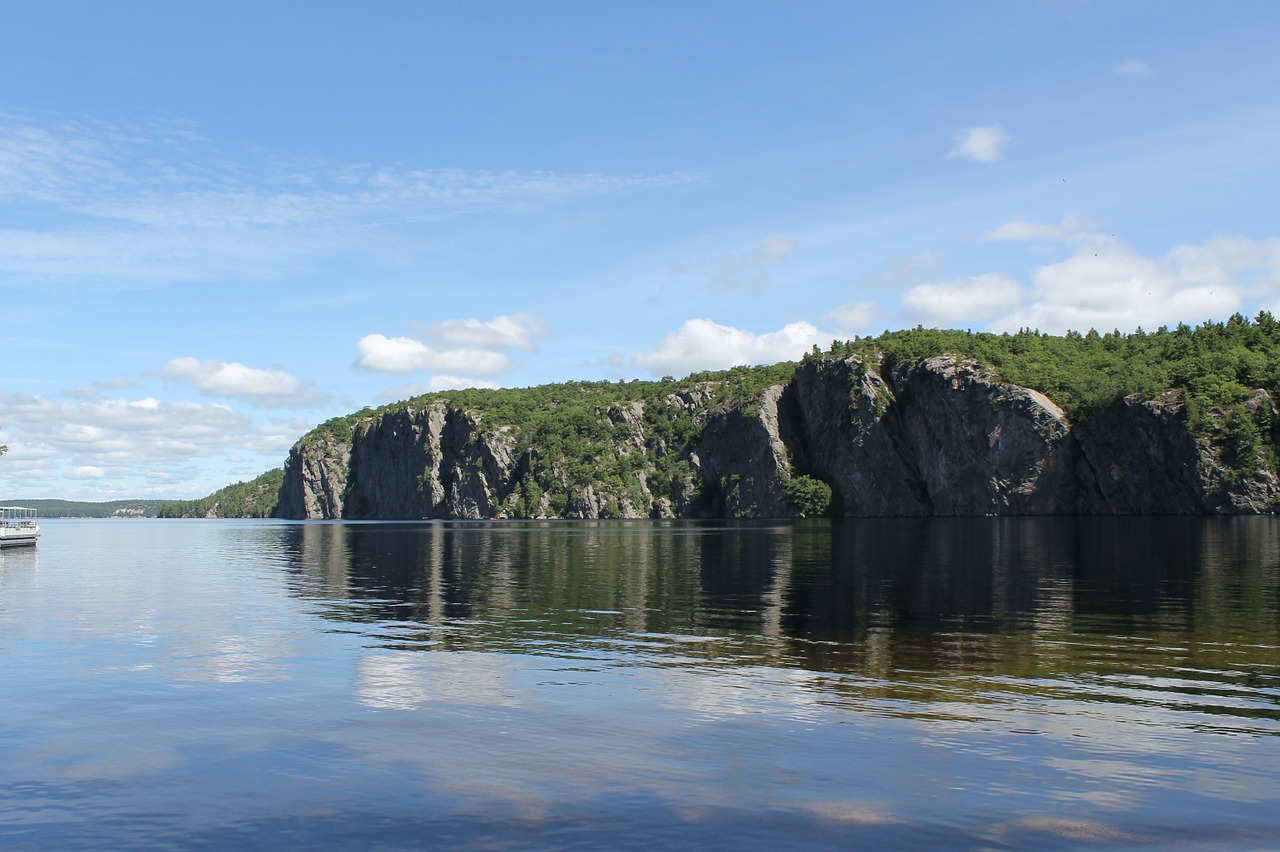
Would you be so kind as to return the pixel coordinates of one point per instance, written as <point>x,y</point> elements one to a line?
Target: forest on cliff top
<point>1214,368</point>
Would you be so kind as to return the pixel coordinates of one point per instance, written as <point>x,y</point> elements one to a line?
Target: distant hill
<point>80,509</point>
<point>253,499</point>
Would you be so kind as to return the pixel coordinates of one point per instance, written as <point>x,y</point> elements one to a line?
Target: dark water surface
<point>942,684</point>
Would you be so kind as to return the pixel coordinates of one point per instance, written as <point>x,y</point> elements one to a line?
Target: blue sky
<point>222,223</point>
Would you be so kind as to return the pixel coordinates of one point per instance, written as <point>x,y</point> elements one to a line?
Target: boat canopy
<point>17,515</point>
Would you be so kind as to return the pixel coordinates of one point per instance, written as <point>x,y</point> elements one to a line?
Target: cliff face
<point>315,479</point>
<point>1136,458</point>
<point>939,437</point>
<point>429,462</point>
<point>744,457</point>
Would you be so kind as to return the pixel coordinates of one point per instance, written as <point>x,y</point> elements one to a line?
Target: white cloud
<point>117,446</point>
<point>273,388</point>
<point>961,302</point>
<point>984,144</point>
<point>854,318</point>
<point>443,382</point>
<point>1102,284</point>
<point>384,354</point>
<point>1110,285</point>
<point>701,344</point>
<point>1132,68</point>
<point>469,362</point>
<point>468,348</point>
<point>1020,230</point>
<point>1116,287</point>
<point>403,355</point>
<point>112,426</point>
<point>515,331</point>
<point>1254,265</point>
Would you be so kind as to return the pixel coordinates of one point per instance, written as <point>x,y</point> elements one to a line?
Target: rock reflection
<point>997,601</point>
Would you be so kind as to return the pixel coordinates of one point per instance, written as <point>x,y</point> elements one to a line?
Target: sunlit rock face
<point>941,436</point>
<point>429,462</point>
<point>938,438</point>
<point>315,479</point>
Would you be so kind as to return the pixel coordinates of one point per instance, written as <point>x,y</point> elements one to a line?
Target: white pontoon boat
<point>18,526</point>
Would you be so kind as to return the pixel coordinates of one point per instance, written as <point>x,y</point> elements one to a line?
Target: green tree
<point>809,496</point>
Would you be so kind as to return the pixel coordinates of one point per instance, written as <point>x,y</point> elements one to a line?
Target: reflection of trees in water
<point>1025,596</point>
<point>983,596</point>
<point>924,594</point>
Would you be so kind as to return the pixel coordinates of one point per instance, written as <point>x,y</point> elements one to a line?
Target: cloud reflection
<point>410,680</point>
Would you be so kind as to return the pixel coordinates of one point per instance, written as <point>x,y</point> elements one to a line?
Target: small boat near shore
<point>18,526</point>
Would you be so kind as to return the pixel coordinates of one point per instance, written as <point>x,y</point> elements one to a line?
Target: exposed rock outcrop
<point>744,458</point>
<point>980,447</point>
<point>315,478</point>
<point>1137,458</point>
<point>941,436</point>
<point>433,462</point>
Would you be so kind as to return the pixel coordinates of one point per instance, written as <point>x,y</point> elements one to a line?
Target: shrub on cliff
<point>809,496</point>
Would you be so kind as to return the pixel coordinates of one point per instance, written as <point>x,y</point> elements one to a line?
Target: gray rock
<point>744,460</point>
<point>938,437</point>
<point>1138,458</point>
<point>315,479</point>
<point>979,446</point>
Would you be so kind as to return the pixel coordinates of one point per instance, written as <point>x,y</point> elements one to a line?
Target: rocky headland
<point>856,435</point>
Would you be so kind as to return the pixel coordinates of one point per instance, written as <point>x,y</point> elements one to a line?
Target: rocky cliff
<point>940,436</point>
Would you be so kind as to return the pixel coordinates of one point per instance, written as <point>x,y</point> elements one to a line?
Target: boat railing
<point>12,517</point>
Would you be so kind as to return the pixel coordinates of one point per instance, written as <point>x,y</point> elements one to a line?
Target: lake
<point>914,684</point>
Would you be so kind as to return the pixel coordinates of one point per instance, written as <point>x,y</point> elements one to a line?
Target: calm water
<point>948,684</point>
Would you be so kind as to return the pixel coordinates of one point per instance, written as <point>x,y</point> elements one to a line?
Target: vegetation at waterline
<point>83,509</point>
<point>253,499</point>
<point>809,496</point>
